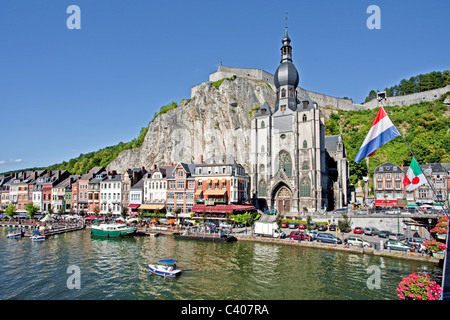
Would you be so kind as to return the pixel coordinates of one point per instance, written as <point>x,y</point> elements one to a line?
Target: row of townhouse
<point>389,189</point>
<point>182,186</point>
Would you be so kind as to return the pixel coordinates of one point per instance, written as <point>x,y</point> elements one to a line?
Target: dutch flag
<point>382,131</point>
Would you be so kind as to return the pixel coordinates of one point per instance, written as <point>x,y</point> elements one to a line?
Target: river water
<point>117,269</point>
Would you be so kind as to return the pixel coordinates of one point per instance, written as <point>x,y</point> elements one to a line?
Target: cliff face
<point>214,122</point>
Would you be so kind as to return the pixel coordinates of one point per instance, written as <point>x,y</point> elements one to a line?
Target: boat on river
<point>167,269</point>
<point>113,230</point>
<point>15,233</point>
<point>205,237</point>
<point>38,236</point>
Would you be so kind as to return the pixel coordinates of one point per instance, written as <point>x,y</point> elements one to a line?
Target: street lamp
<point>429,228</point>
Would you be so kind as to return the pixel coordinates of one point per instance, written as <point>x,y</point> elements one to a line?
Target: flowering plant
<point>418,287</point>
<point>433,245</point>
<point>438,230</point>
<point>441,225</point>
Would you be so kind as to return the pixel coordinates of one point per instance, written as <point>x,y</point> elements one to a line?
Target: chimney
<point>200,159</point>
<point>24,175</point>
<point>171,164</point>
<point>35,175</point>
<point>154,166</point>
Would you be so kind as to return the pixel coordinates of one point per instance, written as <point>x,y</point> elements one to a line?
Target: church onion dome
<point>286,74</point>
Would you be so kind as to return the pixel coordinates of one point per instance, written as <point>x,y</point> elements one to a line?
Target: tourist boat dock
<point>49,230</point>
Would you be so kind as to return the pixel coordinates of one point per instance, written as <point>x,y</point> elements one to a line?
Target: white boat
<point>38,236</point>
<point>168,269</point>
<point>15,233</point>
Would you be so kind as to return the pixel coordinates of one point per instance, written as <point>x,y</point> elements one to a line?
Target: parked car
<point>297,234</point>
<point>397,236</point>
<point>371,231</point>
<point>292,225</point>
<point>340,211</point>
<point>281,235</point>
<point>397,245</point>
<point>225,225</point>
<point>285,224</point>
<point>384,234</point>
<point>358,230</point>
<point>312,234</point>
<point>322,227</point>
<point>328,238</point>
<point>357,241</point>
<point>416,241</point>
<point>332,227</point>
<point>302,226</point>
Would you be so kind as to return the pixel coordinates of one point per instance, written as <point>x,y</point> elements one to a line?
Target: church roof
<point>267,111</point>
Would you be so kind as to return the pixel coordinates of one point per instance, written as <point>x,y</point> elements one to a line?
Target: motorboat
<point>168,268</point>
<point>38,236</point>
<point>113,230</point>
<point>15,233</point>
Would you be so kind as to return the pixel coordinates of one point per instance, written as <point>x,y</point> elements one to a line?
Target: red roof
<point>133,206</point>
<point>228,208</point>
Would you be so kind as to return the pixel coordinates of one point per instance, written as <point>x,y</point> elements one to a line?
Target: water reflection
<point>118,269</point>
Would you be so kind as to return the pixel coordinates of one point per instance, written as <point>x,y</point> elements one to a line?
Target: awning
<point>386,202</point>
<point>223,180</point>
<point>152,206</point>
<point>214,192</point>
<point>133,206</point>
<point>216,180</point>
<point>230,208</point>
<point>198,192</point>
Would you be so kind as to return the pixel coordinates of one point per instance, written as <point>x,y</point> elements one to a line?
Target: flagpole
<point>412,153</point>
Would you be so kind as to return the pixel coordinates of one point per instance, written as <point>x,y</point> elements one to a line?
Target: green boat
<point>113,230</point>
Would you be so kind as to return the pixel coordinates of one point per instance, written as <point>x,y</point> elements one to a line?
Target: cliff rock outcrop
<point>215,121</point>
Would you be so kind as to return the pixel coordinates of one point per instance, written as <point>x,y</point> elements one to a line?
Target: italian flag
<point>414,177</point>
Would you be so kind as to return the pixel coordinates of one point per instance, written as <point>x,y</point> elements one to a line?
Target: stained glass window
<point>285,162</point>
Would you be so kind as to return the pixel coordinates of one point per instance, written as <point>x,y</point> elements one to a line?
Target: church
<point>295,168</point>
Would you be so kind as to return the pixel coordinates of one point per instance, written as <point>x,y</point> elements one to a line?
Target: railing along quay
<point>55,230</point>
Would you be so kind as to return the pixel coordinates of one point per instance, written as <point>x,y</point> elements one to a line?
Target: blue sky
<point>65,92</point>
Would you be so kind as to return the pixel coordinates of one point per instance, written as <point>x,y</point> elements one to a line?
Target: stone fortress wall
<point>324,100</point>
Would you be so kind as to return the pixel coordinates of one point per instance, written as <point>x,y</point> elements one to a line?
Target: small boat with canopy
<point>37,236</point>
<point>168,268</point>
<point>15,233</point>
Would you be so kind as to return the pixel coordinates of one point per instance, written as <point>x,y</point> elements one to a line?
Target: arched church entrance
<point>282,198</point>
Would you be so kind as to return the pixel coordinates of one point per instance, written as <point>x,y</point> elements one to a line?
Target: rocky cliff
<point>216,121</point>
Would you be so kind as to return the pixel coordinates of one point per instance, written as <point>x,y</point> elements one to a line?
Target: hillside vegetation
<point>425,127</point>
<point>419,83</point>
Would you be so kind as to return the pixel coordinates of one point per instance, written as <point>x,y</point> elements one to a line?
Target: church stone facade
<point>294,167</point>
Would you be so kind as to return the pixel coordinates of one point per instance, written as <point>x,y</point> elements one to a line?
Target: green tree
<point>344,224</point>
<point>10,211</point>
<point>124,213</point>
<point>31,209</point>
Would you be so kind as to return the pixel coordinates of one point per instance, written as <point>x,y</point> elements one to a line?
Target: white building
<point>111,194</point>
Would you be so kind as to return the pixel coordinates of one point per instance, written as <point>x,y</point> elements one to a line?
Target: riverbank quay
<point>343,248</point>
<point>46,229</point>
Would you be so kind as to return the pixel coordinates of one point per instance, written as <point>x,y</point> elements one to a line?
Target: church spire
<point>286,49</point>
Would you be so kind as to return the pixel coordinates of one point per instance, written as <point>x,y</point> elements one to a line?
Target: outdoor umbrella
<point>47,218</point>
